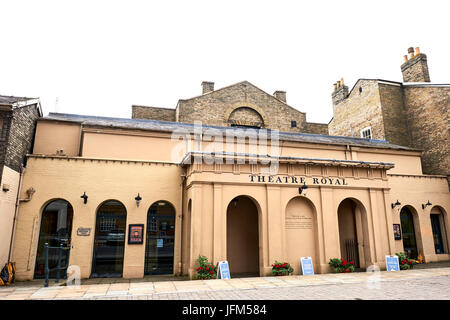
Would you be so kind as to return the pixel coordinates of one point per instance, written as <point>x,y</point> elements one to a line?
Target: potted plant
<point>205,270</point>
<point>404,262</point>
<point>341,266</point>
<point>281,269</point>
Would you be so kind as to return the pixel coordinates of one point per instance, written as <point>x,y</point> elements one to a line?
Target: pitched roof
<point>168,126</point>
<point>11,100</point>
<point>247,83</point>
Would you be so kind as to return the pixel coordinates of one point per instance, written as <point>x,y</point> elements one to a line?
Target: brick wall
<point>21,136</point>
<point>428,116</point>
<point>396,130</point>
<point>362,108</point>
<point>5,119</point>
<point>212,108</point>
<point>153,113</point>
<point>317,128</point>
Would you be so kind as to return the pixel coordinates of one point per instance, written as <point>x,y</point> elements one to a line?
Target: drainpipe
<point>13,230</point>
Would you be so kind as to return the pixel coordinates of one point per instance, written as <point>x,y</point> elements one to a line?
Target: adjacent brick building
<point>241,104</point>
<point>414,113</point>
<point>17,125</point>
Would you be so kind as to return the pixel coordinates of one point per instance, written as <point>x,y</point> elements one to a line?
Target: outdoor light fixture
<point>302,189</point>
<point>393,205</point>
<point>235,201</point>
<point>84,197</point>
<point>426,204</point>
<point>138,199</point>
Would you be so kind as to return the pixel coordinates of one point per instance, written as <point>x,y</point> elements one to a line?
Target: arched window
<point>245,117</point>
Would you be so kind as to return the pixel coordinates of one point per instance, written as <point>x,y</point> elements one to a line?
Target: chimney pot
<point>335,86</point>
<point>417,51</point>
<point>207,87</point>
<point>411,52</point>
<point>406,58</point>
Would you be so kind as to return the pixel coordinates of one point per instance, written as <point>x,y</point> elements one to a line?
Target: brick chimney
<point>207,87</point>
<point>340,92</point>
<point>415,67</point>
<point>280,95</point>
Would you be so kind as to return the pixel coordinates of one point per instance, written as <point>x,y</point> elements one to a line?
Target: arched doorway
<point>56,229</point>
<point>109,240</point>
<point>159,246</point>
<point>408,232</point>
<point>439,230</point>
<point>243,237</point>
<point>300,226</point>
<point>353,233</point>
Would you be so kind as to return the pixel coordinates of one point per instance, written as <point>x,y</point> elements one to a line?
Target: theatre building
<point>252,184</point>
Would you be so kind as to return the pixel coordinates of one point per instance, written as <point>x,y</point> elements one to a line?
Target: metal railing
<point>58,267</point>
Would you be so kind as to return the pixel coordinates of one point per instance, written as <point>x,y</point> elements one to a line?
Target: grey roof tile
<point>167,126</point>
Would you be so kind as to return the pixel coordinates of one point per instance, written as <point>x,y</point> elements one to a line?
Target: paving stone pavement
<point>425,284</point>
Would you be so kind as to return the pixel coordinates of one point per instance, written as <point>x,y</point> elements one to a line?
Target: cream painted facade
<point>229,209</point>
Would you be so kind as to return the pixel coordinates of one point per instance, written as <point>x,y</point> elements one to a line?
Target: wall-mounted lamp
<point>84,197</point>
<point>235,201</point>
<point>138,200</point>
<point>426,204</point>
<point>393,205</point>
<point>302,189</point>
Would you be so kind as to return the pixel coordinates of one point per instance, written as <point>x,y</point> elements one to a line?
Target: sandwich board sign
<point>223,271</point>
<point>392,263</point>
<point>307,266</point>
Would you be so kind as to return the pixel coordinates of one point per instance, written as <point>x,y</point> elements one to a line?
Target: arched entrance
<point>439,229</point>
<point>353,233</point>
<point>109,240</point>
<point>243,237</point>
<point>408,232</point>
<point>56,229</point>
<point>300,226</point>
<point>159,246</point>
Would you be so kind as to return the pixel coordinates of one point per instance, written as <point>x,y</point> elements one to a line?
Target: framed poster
<point>135,234</point>
<point>397,232</point>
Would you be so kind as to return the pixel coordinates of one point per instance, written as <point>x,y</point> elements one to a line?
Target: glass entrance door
<point>56,229</point>
<point>109,241</point>
<point>159,247</point>
<point>408,233</point>
<point>437,235</point>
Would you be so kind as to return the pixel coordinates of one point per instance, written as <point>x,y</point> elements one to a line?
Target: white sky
<point>100,57</point>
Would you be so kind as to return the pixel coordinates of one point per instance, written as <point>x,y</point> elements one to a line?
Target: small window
<point>366,133</point>
<point>293,124</point>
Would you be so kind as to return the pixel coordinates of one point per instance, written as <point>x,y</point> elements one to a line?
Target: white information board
<point>392,263</point>
<point>223,271</point>
<point>307,266</point>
